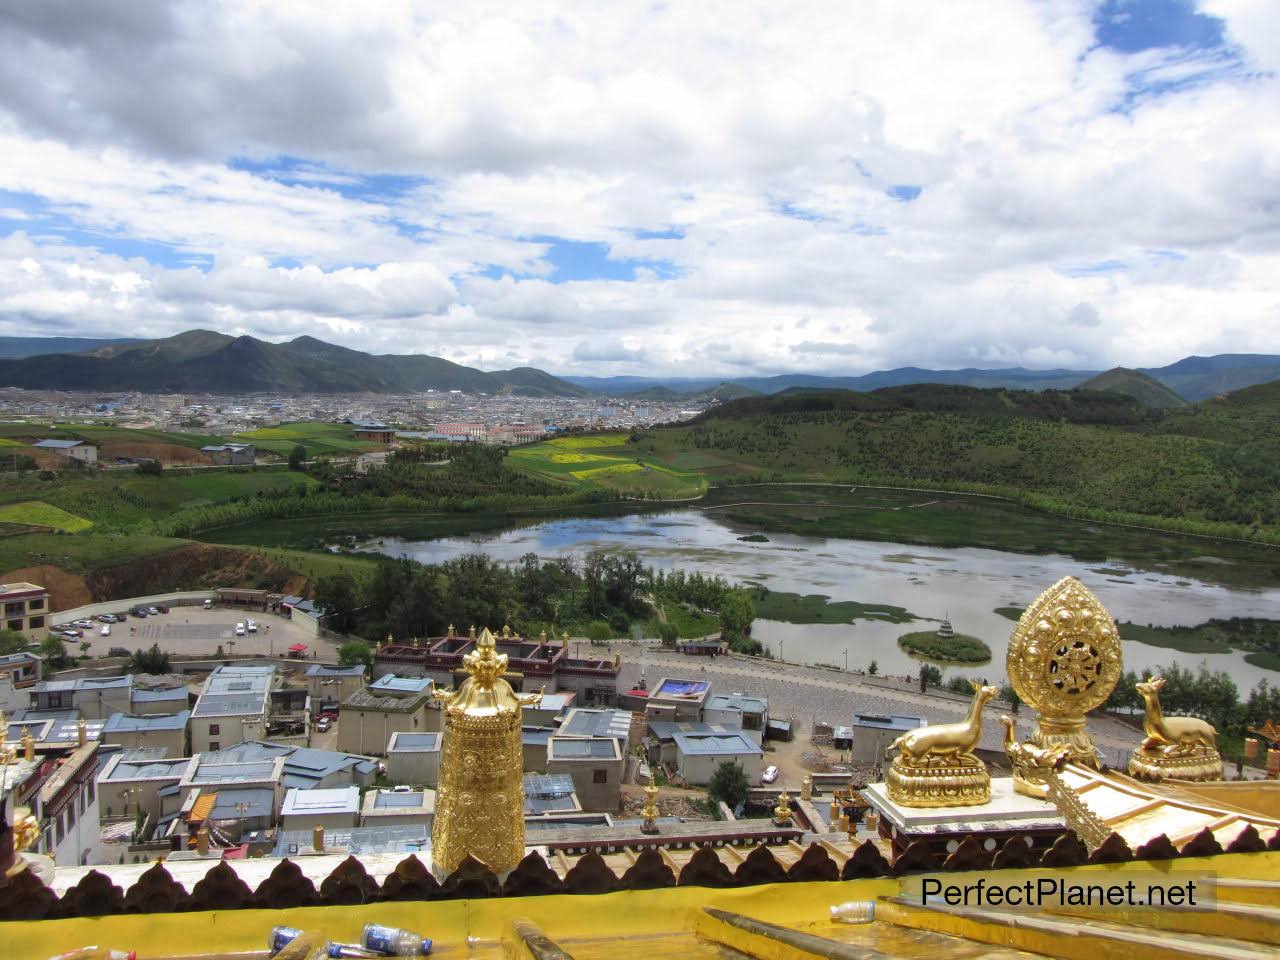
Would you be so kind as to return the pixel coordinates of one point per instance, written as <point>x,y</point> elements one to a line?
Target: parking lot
<point>195,631</point>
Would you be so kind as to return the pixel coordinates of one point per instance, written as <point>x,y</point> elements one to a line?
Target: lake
<point>965,585</point>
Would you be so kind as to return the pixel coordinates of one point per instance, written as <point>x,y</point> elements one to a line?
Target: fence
<point>187,598</point>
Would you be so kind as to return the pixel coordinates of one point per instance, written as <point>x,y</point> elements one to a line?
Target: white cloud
<point>741,159</point>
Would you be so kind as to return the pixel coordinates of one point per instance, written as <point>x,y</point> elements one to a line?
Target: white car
<point>770,774</point>
<point>83,624</point>
<point>154,611</point>
<point>240,629</point>
<point>105,631</point>
<point>251,626</point>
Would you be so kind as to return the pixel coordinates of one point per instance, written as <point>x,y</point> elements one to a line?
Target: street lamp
<point>780,646</point>
<point>846,659</point>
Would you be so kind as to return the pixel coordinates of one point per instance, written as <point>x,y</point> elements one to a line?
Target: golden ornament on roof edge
<point>1064,660</point>
<point>480,801</point>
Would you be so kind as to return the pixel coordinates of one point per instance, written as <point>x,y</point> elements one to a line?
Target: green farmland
<point>608,462</point>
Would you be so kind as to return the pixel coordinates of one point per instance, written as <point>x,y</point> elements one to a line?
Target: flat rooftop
<point>235,691</point>
<point>414,743</point>
<point>390,684</point>
<point>135,723</point>
<point>887,721</point>
<point>596,723</point>
<point>583,748</point>
<point>318,802</point>
<point>716,745</point>
<point>737,701</point>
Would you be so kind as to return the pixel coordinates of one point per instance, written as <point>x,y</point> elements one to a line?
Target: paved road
<point>806,694</point>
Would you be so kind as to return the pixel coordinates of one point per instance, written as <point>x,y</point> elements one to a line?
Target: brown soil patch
<point>66,590</point>
<point>166,453</point>
<point>198,566</point>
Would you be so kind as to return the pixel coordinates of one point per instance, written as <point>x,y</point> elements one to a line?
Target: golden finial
<point>835,811</point>
<point>564,639</point>
<point>542,637</point>
<point>202,841</point>
<point>28,744</point>
<point>82,734</point>
<point>472,633</point>
<point>650,811</point>
<point>451,632</point>
<point>806,787</point>
<point>26,831</point>
<point>480,801</point>
<point>415,643</point>
<point>506,631</point>
<point>782,812</point>
<point>317,838</point>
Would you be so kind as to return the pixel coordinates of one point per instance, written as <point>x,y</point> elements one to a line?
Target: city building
<point>366,721</point>
<point>750,714</point>
<point>332,808</point>
<point>373,431</point>
<point>152,700</point>
<point>395,807</point>
<point>414,758</point>
<point>534,664</point>
<point>58,787</point>
<point>389,685</point>
<point>660,742</point>
<point>26,609</point>
<point>550,711</point>
<point>232,707</point>
<point>533,747</point>
<point>164,730</point>
<point>80,450</point>
<point>19,671</point>
<point>872,733</point>
<point>126,786</point>
<point>401,839</point>
<point>332,684</point>
<point>698,755</point>
<point>549,794</point>
<point>596,765</point>
<point>304,767</point>
<point>95,698</point>
<point>304,613</point>
<point>230,454</point>
<point>678,700</point>
<point>598,723</point>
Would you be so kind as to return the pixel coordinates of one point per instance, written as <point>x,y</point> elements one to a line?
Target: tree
<point>930,676</point>
<point>336,595</point>
<point>355,652</point>
<point>668,634</point>
<point>150,468</point>
<point>54,653</point>
<point>84,648</point>
<point>599,632</point>
<point>873,668</point>
<point>11,641</point>
<point>298,457</point>
<point>728,784</point>
<point>736,615</point>
<point>154,660</point>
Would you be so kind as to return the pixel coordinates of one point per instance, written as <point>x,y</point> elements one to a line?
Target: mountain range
<point>202,361</point>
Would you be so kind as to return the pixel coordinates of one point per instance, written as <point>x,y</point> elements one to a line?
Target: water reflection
<point>965,585</point>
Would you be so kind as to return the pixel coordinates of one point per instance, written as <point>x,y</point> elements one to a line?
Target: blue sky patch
<point>590,260</point>
<point>1130,26</point>
<point>297,172</point>
<point>1094,269</point>
<point>906,192</point>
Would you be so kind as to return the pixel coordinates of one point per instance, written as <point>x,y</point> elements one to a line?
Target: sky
<point>653,188</point>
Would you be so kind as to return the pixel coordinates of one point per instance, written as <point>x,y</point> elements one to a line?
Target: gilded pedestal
<point>1064,660</point>
<point>1175,748</point>
<point>480,801</point>
<point>936,766</point>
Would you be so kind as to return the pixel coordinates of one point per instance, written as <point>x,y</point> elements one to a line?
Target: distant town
<point>444,415</point>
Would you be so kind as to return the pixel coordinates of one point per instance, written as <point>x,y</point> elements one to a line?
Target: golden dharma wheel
<point>1064,656</point>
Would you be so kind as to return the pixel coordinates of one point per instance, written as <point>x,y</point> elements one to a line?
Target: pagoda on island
<point>945,632</point>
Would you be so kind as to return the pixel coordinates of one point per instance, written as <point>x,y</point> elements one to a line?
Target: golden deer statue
<point>1028,755</point>
<point>943,743</point>
<point>1172,736</point>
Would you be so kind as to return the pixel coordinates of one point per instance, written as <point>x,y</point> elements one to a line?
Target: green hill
<point>207,362</point>
<point>1147,390</point>
<point>1211,467</point>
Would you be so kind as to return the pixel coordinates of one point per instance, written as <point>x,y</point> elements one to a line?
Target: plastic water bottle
<point>854,911</point>
<point>394,942</point>
<point>281,937</point>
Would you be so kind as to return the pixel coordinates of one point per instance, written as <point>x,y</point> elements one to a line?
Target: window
<point>36,604</point>
<point>91,793</point>
<point>15,625</point>
<point>601,776</point>
<point>214,729</point>
<point>36,623</point>
<point>71,816</point>
<point>214,745</point>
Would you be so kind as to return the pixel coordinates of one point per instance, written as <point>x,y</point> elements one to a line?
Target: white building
<point>414,758</point>
<point>698,755</point>
<point>749,714</point>
<point>232,707</point>
<point>71,449</point>
<point>394,807</point>
<point>332,808</point>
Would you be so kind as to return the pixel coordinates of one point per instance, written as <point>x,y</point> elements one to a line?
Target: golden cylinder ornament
<point>480,801</point>
<point>1251,748</point>
<point>1273,762</point>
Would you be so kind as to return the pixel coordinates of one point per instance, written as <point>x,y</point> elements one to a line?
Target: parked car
<point>118,652</point>
<point>105,631</point>
<point>121,617</point>
<point>251,626</point>
<point>402,788</point>
<point>154,611</point>
<point>83,624</point>
<point>770,774</point>
<point>161,608</point>
<point>71,634</point>
<point>328,713</point>
<point>105,618</point>
<point>208,604</point>
<point>240,629</point>
<point>323,724</point>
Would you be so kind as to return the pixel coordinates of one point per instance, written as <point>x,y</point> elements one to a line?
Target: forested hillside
<point>1211,468</point>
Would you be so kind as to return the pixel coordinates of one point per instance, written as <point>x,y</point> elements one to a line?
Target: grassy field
<point>961,648</point>
<point>316,438</point>
<point>819,608</point>
<point>35,513</point>
<point>315,565</point>
<point>79,553</point>
<point>610,462</point>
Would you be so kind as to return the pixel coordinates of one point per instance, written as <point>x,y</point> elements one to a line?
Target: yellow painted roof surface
<point>202,807</point>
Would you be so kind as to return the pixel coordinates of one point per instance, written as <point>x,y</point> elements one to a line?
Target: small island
<point>946,645</point>
<point>754,538</point>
